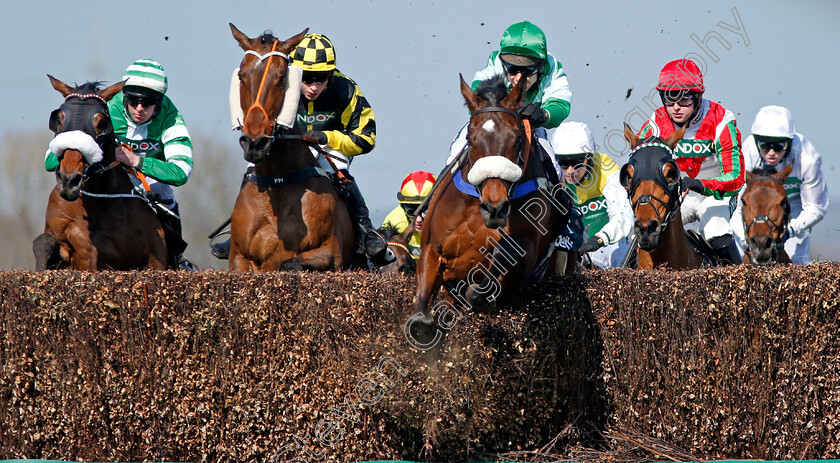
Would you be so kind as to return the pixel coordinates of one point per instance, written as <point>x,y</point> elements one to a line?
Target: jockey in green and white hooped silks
<point>147,121</point>
<point>592,179</point>
<point>523,54</point>
<point>775,142</point>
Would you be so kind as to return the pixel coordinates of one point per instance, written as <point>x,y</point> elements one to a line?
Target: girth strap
<point>291,177</point>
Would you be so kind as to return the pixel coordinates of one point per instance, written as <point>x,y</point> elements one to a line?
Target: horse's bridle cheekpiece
<point>648,159</point>
<point>523,149</point>
<point>780,228</point>
<point>261,58</point>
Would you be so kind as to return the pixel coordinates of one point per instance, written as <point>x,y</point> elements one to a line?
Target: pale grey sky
<point>406,57</point>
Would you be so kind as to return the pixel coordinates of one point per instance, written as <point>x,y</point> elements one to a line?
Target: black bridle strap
<point>93,170</point>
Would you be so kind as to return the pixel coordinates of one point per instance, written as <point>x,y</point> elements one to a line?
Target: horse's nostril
<point>245,142</point>
<point>504,209</point>
<point>262,144</point>
<point>74,181</point>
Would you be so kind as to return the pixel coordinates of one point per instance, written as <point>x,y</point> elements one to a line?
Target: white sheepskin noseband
<point>79,141</point>
<point>493,167</point>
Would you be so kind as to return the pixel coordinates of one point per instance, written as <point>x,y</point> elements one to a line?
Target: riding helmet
<point>314,53</point>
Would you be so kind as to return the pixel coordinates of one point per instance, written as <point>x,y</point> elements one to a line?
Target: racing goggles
<point>777,146</point>
<point>526,71</point>
<point>319,78</point>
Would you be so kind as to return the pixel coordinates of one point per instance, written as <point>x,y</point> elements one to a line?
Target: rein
<point>261,58</point>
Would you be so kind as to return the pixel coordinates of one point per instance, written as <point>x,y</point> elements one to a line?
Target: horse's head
<point>766,212</point>
<point>84,136</point>
<point>652,180</point>
<point>497,145</point>
<point>398,244</point>
<point>262,77</point>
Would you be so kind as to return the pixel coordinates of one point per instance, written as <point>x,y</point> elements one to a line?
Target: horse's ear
<point>782,175</point>
<point>626,175</point>
<point>109,92</point>
<point>245,42</point>
<point>62,88</point>
<point>748,176</point>
<point>469,96</point>
<point>675,138</point>
<point>514,98</point>
<point>292,42</point>
<point>630,136</point>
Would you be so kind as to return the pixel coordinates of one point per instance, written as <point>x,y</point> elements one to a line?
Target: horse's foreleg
<point>429,281</point>
<point>46,250</point>
<point>321,259</point>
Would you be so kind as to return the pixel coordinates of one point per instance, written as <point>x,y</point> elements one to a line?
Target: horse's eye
<point>241,76</point>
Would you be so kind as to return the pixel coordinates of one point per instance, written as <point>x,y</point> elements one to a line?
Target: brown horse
<point>652,179</point>
<point>398,245</point>
<point>766,212</point>
<point>94,220</point>
<point>489,224</point>
<point>288,215</point>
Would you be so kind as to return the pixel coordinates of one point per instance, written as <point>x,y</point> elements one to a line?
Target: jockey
<point>414,189</point>
<point>775,142</point>
<point>333,111</point>
<point>593,182</point>
<point>709,155</point>
<point>153,140</point>
<point>523,54</point>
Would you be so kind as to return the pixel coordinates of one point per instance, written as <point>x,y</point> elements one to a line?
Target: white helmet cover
<point>774,121</point>
<point>572,138</point>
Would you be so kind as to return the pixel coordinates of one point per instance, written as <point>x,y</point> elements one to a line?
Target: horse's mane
<point>268,38</point>
<point>389,231</point>
<point>493,89</point>
<point>89,87</point>
<point>766,171</point>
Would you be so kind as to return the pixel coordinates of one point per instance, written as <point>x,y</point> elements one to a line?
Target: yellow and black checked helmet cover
<point>314,53</point>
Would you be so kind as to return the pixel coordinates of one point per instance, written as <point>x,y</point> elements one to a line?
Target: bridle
<point>84,117</point>
<point>257,104</point>
<point>655,165</point>
<point>778,244</point>
<point>523,142</point>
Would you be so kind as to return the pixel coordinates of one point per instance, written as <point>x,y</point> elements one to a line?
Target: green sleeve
<point>51,161</point>
<point>558,110</point>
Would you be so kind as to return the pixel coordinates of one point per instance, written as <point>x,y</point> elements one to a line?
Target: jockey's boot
<point>368,239</point>
<point>170,220</point>
<point>725,250</point>
<point>221,250</point>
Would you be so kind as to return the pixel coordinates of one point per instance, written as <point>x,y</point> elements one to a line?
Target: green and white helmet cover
<point>146,73</point>
<point>524,38</point>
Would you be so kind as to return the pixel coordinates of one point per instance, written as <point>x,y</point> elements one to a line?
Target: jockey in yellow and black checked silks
<point>342,112</point>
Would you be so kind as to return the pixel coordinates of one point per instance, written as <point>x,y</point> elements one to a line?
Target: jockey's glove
<point>688,183</point>
<point>319,136</point>
<point>594,243</point>
<point>533,112</point>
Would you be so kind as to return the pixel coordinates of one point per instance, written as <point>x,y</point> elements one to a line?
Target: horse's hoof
<point>478,301</point>
<point>291,265</point>
<point>421,331</point>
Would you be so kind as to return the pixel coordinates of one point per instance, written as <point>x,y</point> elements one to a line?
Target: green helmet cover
<point>524,38</point>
